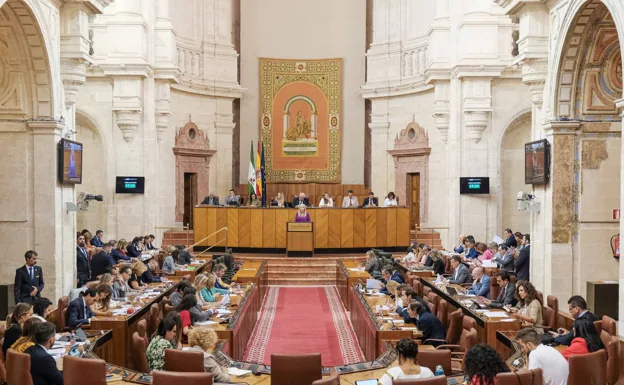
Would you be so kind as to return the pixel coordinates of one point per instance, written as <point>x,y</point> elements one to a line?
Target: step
<point>427,235</point>
<point>301,281</point>
<point>301,274</point>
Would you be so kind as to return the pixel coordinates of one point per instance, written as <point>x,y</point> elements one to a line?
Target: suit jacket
<point>431,327</point>
<point>97,242</point>
<point>460,275</point>
<point>11,335</point>
<point>367,202</point>
<point>566,339</point>
<point>219,284</point>
<point>354,202</point>
<point>117,256</point>
<point>23,285</point>
<point>184,258</point>
<point>522,264</point>
<point>482,288</point>
<point>395,277</point>
<point>472,253</point>
<point>76,314</point>
<point>132,251</point>
<point>505,297</point>
<point>506,262</point>
<point>210,201</point>
<point>297,202</point>
<point>82,264</point>
<point>511,241</point>
<point>43,367</point>
<point>99,263</point>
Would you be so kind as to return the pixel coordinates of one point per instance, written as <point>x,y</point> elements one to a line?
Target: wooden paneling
<point>232,225</point>
<point>371,228</point>
<point>222,220</point>
<point>268,228</point>
<point>244,227</point>
<point>403,227</point>
<point>334,228</point>
<point>381,227</point>
<point>359,228</point>
<point>321,229</point>
<point>256,228</point>
<point>281,217</point>
<point>199,225</point>
<point>391,226</point>
<point>346,228</point>
<point>211,225</point>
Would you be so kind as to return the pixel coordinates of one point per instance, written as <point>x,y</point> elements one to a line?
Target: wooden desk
<point>334,228</point>
<point>348,273</point>
<point>300,239</point>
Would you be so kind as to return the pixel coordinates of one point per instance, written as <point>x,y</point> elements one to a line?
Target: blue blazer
<point>117,256</point>
<point>482,288</point>
<point>43,367</point>
<point>24,284</point>
<point>511,241</point>
<point>132,251</point>
<point>95,241</point>
<point>459,249</point>
<point>76,313</point>
<point>395,277</point>
<point>472,254</point>
<point>431,327</point>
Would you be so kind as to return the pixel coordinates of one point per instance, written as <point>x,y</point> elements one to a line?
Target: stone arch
<point>34,44</point>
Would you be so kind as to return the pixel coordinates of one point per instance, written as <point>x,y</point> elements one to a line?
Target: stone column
<point>221,173</point>
<point>379,127</point>
<point>620,106</point>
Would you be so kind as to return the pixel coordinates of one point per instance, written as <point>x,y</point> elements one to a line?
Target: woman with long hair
<point>134,282</point>
<point>586,339</point>
<point>482,364</point>
<point>279,200</point>
<point>199,284</point>
<point>253,200</point>
<point>42,307</point>
<point>372,264</point>
<point>135,248</point>
<point>390,200</point>
<point>302,215</point>
<point>529,308</point>
<point>169,264</point>
<point>165,339</point>
<point>326,201</point>
<point>408,368</point>
<point>210,293</point>
<point>119,252</point>
<point>28,335</point>
<point>102,306</point>
<point>189,301</point>
<point>15,323</point>
<point>437,261</point>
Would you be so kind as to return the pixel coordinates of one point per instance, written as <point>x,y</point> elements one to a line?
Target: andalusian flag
<point>251,179</point>
<point>258,173</point>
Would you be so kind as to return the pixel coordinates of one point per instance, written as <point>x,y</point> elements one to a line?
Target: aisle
<point>304,320</point>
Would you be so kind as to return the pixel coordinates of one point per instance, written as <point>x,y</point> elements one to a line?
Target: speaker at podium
<point>300,239</point>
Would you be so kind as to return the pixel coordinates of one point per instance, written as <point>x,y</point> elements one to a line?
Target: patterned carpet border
<point>349,346</point>
<point>262,332</point>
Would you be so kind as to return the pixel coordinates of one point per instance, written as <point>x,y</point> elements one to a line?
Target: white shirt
<point>554,367</point>
<point>329,203</point>
<point>409,257</point>
<point>390,202</point>
<point>396,373</point>
<point>40,318</point>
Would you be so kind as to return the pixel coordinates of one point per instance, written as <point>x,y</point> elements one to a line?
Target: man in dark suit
<point>505,259</point>
<point>577,306</point>
<point>301,199</point>
<point>211,200</point>
<point>506,294</point>
<point>28,280</point>
<point>371,201</point>
<point>510,238</point>
<point>388,276</point>
<point>42,365</point>
<point>427,323</point>
<point>461,274</point>
<point>97,240</point>
<point>522,264</point>
<point>102,261</point>
<point>79,311</point>
<point>82,262</point>
<point>409,297</point>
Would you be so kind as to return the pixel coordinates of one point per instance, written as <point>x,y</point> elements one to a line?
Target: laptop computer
<point>452,291</point>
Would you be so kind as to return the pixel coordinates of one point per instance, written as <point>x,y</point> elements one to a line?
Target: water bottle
<point>439,371</point>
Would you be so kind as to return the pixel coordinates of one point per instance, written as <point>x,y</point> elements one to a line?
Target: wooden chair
<point>606,324</point>
<point>63,303</point>
<point>522,377</point>
<point>441,380</point>
<point>588,369</point>
<point>435,299</point>
<point>18,368</point>
<point>142,330</point>
<point>139,356</point>
<point>432,358</point>
<point>331,380</point>
<point>551,312</point>
<point>154,319</point>
<point>613,359</point>
<point>443,313</point>
<point>454,330</point>
<point>74,370</point>
<point>3,373</point>
<point>300,369</point>
<point>177,378</point>
<point>184,361</point>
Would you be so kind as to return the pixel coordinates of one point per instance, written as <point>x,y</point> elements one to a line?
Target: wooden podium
<point>300,239</point>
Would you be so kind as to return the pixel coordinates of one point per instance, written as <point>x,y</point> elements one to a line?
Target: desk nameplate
<point>302,227</point>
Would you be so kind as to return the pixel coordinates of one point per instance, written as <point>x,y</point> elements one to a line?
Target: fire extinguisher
<point>615,246</point>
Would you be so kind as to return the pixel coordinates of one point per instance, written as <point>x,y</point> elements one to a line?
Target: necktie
<point>504,291</point>
<point>350,202</point>
<point>30,272</point>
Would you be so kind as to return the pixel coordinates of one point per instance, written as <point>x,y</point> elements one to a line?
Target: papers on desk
<point>206,323</point>
<point>373,284</point>
<point>439,279</point>
<point>489,263</point>
<point>409,328</point>
<point>224,311</point>
<point>353,269</point>
<point>238,372</point>
<point>376,294</point>
<point>494,314</point>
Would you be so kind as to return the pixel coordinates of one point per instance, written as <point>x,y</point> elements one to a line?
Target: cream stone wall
<point>320,29</point>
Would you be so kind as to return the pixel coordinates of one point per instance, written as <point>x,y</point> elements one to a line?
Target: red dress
<point>578,346</point>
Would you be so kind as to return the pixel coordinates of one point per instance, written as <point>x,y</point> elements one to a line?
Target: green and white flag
<point>251,179</point>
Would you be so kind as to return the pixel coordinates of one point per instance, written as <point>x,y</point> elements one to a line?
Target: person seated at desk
<point>28,335</point>
<point>148,275</point>
<point>182,257</point>
<point>489,253</point>
<point>210,293</point>
<point>506,294</point>
<point>510,238</point>
<point>529,309</point>
<point>408,368</point>
<point>400,291</point>
<point>555,368</point>
<point>462,242</point>
<point>42,365</point>
<point>505,259</point>
<point>427,323</point>
<point>218,271</point>
<point>391,288</point>
<point>424,255</point>
<point>189,301</point>
<point>164,339</point>
<point>482,364</point>
<point>372,265</point>
<point>134,282</point>
<point>42,308</point>
<point>135,248</point>
<point>102,261</point>
<point>97,240</point>
<point>389,275</point>
<point>350,200</point>
<point>169,264</point>
<point>390,200</point>
<point>410,257</point>
<point>102,306</point>
<point>232,199</point>
<point>371,201</point>
<point>119,252</point>
<point>204,340</point>
<point>302,215</point>
<point>279,200</point>
<point>461,274</point>
<point>326,201</point>
<point>79,310</point>
<point>407,297</point>
<point>437,262</point>
<point>15,325</point>
<point>254,201</point>
<point>120,284</point>
<point>176,297</point>
<point>470,252</point>
<point>586,339</point>
<point>149,242</point>
<point>301,200</point>
<point>198,313</point>
<point>577,306</point>
<point>481,284</point>
<point>211,200</point>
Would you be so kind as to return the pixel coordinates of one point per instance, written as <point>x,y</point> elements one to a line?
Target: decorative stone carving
<point>128,121</point>
<point>163,108</point>
<point>74,75</point>
<point>192,155</point>
<point>534,74</point>
<point>476,122</point>
<point>442,118</point>
<point>411,155</point>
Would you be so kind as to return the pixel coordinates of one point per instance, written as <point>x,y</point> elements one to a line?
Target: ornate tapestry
<point>300,107</point>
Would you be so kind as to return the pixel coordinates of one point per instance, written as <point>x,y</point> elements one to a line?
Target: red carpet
<point>296,320</point>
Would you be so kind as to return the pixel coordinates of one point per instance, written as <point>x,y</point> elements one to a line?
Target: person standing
<point>523,261</point>
<point>28,283</point>
<point>102,261</point>
<point>554,367</point>
<point>82,261</point>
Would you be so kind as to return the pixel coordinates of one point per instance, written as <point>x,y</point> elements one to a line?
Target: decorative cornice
<point>94,7</point>
<point>74,75</point>
<point>511,7</point>
<point>172,74</point>
<point>561,127</point>
<point>194,152</point>
<point>388,90</point>
<point>143,70</point>
<point>128,121</point>
<point>478,70</point>
<point>222,90</point>
<point>409,152</point>
<point>46,126</point>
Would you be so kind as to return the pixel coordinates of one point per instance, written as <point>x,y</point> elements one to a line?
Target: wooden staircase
<point>178,238</point>
<point>302,271</point>
<point>427,237</point>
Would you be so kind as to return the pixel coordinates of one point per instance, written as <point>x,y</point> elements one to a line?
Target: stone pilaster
<point>128,105</point>
<point>224,129</point>
<point>477,106</point>
<point>380,126</point>
<point>442,108</point>
<point>620,106</point>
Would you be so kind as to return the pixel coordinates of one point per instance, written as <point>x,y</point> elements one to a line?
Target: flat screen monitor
<point>130,185</point>
<point>70,162</point>
<point>474,185</point>
<point>537,162</point>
